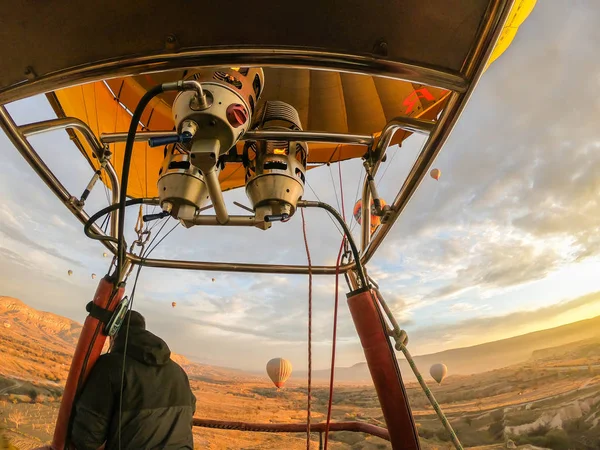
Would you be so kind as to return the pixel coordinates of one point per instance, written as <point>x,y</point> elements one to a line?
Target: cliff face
<point>35,345</point>
<point>38,346</point>
<point>18,317</point>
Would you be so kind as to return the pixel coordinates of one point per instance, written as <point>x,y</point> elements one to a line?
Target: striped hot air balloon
<point>279,370</point>
<point>375,220</point>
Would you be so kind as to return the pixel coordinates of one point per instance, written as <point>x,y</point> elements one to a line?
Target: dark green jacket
<point>157,404</point>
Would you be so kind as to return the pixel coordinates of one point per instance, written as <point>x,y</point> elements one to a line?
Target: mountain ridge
<point>481,357</point>
<point>26,334</point>
<point>39,345</point>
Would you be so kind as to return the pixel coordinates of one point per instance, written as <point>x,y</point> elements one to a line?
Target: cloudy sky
<point>507,242</point>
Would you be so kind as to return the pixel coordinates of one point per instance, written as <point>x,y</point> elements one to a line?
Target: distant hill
<point>586,351</point>
<point>482,357</point>
<point>53,329</point>
<point>213,374</point>
<point>37,346</point>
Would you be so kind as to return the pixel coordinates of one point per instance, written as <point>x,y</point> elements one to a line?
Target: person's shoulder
<point>109,361</point>
<point>174,364</point>
<point>176,367</point>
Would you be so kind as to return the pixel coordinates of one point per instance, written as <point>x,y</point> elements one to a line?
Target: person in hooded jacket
<point>156,407</point>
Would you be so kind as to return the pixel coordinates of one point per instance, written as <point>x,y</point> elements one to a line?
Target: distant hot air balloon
<point>70,272</point>
<point>438,372</point>
<point>375,220</point>
<point>174,304</point>
<point>435,174</point>
<point>279,370</point>
<point>213,280</point>
<point>104,255</point>
<point>93,276</point>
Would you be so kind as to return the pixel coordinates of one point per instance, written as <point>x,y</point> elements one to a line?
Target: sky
<point>506,242</point>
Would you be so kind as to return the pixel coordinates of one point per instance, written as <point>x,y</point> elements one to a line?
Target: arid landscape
<point>546,396</point>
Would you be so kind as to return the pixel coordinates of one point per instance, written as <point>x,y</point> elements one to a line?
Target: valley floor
<point>549,409</point>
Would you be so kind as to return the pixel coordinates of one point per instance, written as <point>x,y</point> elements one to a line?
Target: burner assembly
<point>275,170</point>
<point>208,129</point>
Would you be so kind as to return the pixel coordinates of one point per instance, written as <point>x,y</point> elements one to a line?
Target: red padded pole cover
<point>89,346</point>
<point>383,365</point>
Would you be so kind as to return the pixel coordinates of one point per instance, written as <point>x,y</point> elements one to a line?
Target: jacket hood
<point>143,346</point>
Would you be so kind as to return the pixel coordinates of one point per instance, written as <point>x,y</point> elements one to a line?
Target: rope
<point>330,218</point>
<point>335,315</point>
<point>389,164</point>
<point>137,275</point>
<point>401,339</point>
<point>360,427</point>
<point>96,111</point>
<point>430,396</point>
<point>87,121</point>
<point>97,131</point>
<point>309,330</point>
<point>87,118</point>
<point>104,225</point>
<point>353,221</point>
<point>146,168</point>
<point>337,200</point>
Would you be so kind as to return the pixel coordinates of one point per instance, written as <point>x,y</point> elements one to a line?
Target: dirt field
<point>526,405</point>
<point>552,400</point>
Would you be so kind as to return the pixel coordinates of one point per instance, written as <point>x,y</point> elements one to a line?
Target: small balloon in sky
<point>438,372</point>
<point>435,174</point>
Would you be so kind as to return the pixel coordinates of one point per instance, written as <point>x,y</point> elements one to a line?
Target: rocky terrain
<point>550,399</point>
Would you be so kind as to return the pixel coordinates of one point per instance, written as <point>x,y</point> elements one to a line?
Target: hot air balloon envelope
<point>174,304</point>
<point>375,220</point>
<point>438,372</point>
<point>412,33</point>
<point>93,276</point>
<point>213,280</point>
<point>104,255</point>
<point>70,272</point>
<point>279,370</point>
<point>435,174</point>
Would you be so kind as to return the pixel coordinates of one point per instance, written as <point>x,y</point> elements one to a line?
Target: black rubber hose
<point>135,119</point>
<point>359,267</point>
<point>88,225</point>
